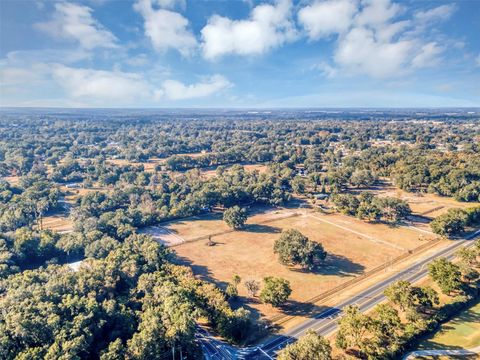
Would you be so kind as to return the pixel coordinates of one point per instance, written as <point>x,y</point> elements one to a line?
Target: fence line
<point>205,237</point>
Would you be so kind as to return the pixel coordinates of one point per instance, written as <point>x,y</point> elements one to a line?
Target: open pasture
<point>148,165</point>
<point>249,253</point>
<point>58,223</point>
<point>162,235</point>
<point>201,226</point>
<point>425,205</point>
<point>400,237</point>
<point>261,168</point>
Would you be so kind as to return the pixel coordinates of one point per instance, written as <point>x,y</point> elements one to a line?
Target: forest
<point>130,299</point>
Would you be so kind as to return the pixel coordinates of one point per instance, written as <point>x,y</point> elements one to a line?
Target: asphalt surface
<point>325,322</point>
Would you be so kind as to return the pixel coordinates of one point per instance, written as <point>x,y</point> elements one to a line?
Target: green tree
<point>352,328</point>
<point>311,346</point>
<point>294,248</point>
<point>235,217</point>
<point>275,291</point>
<point>446,274</point>
<point>451,223</point>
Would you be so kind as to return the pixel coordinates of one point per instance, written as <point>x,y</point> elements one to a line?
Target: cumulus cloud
<point>369,37</point>
<point>428,55</point>
<point>166,29</point>
<point>75,22</point>
<point>323,18</point>
<point>100,85</point>
<point>268,26</point>
<point>442,12</point>
<point>176,90</point>
<point>20,76</point>
<point>360,52</point>
<point>117,87</point>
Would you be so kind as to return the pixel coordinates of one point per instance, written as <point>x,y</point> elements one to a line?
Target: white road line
<point>265,353</point>
<point>368,237</point>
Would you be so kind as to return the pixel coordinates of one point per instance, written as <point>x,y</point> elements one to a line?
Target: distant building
<point>321,196</point>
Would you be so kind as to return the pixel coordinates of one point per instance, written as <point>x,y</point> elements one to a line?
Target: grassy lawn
<point>463,331</point>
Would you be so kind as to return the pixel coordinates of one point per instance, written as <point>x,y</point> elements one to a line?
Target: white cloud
<point>138,60</point>
<point>323,18</point>
<point>170,4</point>
<point>442,12</point>
<point>176,90</point>
<point>427,56</point>
<point>360,52</point>
<point>166,29</point>
<point>376,13</point>
<point>369,37</point>
<point>11,76</point>
<point>477,60</point>
<point>75,22</point>
<point>268,26</point>
<point>102,87</point>
<point>99,85</point>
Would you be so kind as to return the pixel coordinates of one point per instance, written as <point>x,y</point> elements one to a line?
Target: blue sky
<point>240,53</point>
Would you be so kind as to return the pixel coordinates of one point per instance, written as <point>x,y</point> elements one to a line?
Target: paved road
<point>454,352</point>
<point>326,322</point>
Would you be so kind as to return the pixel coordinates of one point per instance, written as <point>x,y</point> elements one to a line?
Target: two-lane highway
<point>326,322</point>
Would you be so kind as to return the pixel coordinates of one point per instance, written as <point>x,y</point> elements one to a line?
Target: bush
<point>275,291</point>
<point>235,217</point>
<point>451,223</point>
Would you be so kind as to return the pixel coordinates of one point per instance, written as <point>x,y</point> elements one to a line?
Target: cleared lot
<point>249,253</point>
<point>201,226</point>
<point>163,235</point>
<point>427,205</point>
<point>58,223</point>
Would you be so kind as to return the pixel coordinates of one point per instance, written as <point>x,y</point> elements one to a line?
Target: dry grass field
<point>209,224</point>
<point>13,180</point>
<point>261,168</point>
<point>427,205</point>
<point>149,165</point>
<point>354,247</point>
<point>57,223</point>
<point>162,235</point>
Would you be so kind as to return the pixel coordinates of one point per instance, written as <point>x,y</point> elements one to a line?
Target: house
<point>321,196</point>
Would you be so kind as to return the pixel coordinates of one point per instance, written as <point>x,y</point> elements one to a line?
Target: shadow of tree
<point>335,264</point>
<point>261,228</point>
<point>202,272</point>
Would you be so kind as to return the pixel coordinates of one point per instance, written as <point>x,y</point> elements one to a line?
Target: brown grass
<point>249,253</point>
<point>429,205</point>
<point>149,165</point>
<point>261,168</point>
<point>57,223</point>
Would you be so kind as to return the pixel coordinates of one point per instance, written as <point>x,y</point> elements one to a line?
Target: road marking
<point>368,237</point>
<point>265,353</point>
<point>374,297</point>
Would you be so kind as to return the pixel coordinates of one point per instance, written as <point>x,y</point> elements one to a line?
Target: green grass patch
<point>462,332</point>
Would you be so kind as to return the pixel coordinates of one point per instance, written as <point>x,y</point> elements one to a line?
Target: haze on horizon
<point>231,54</point>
